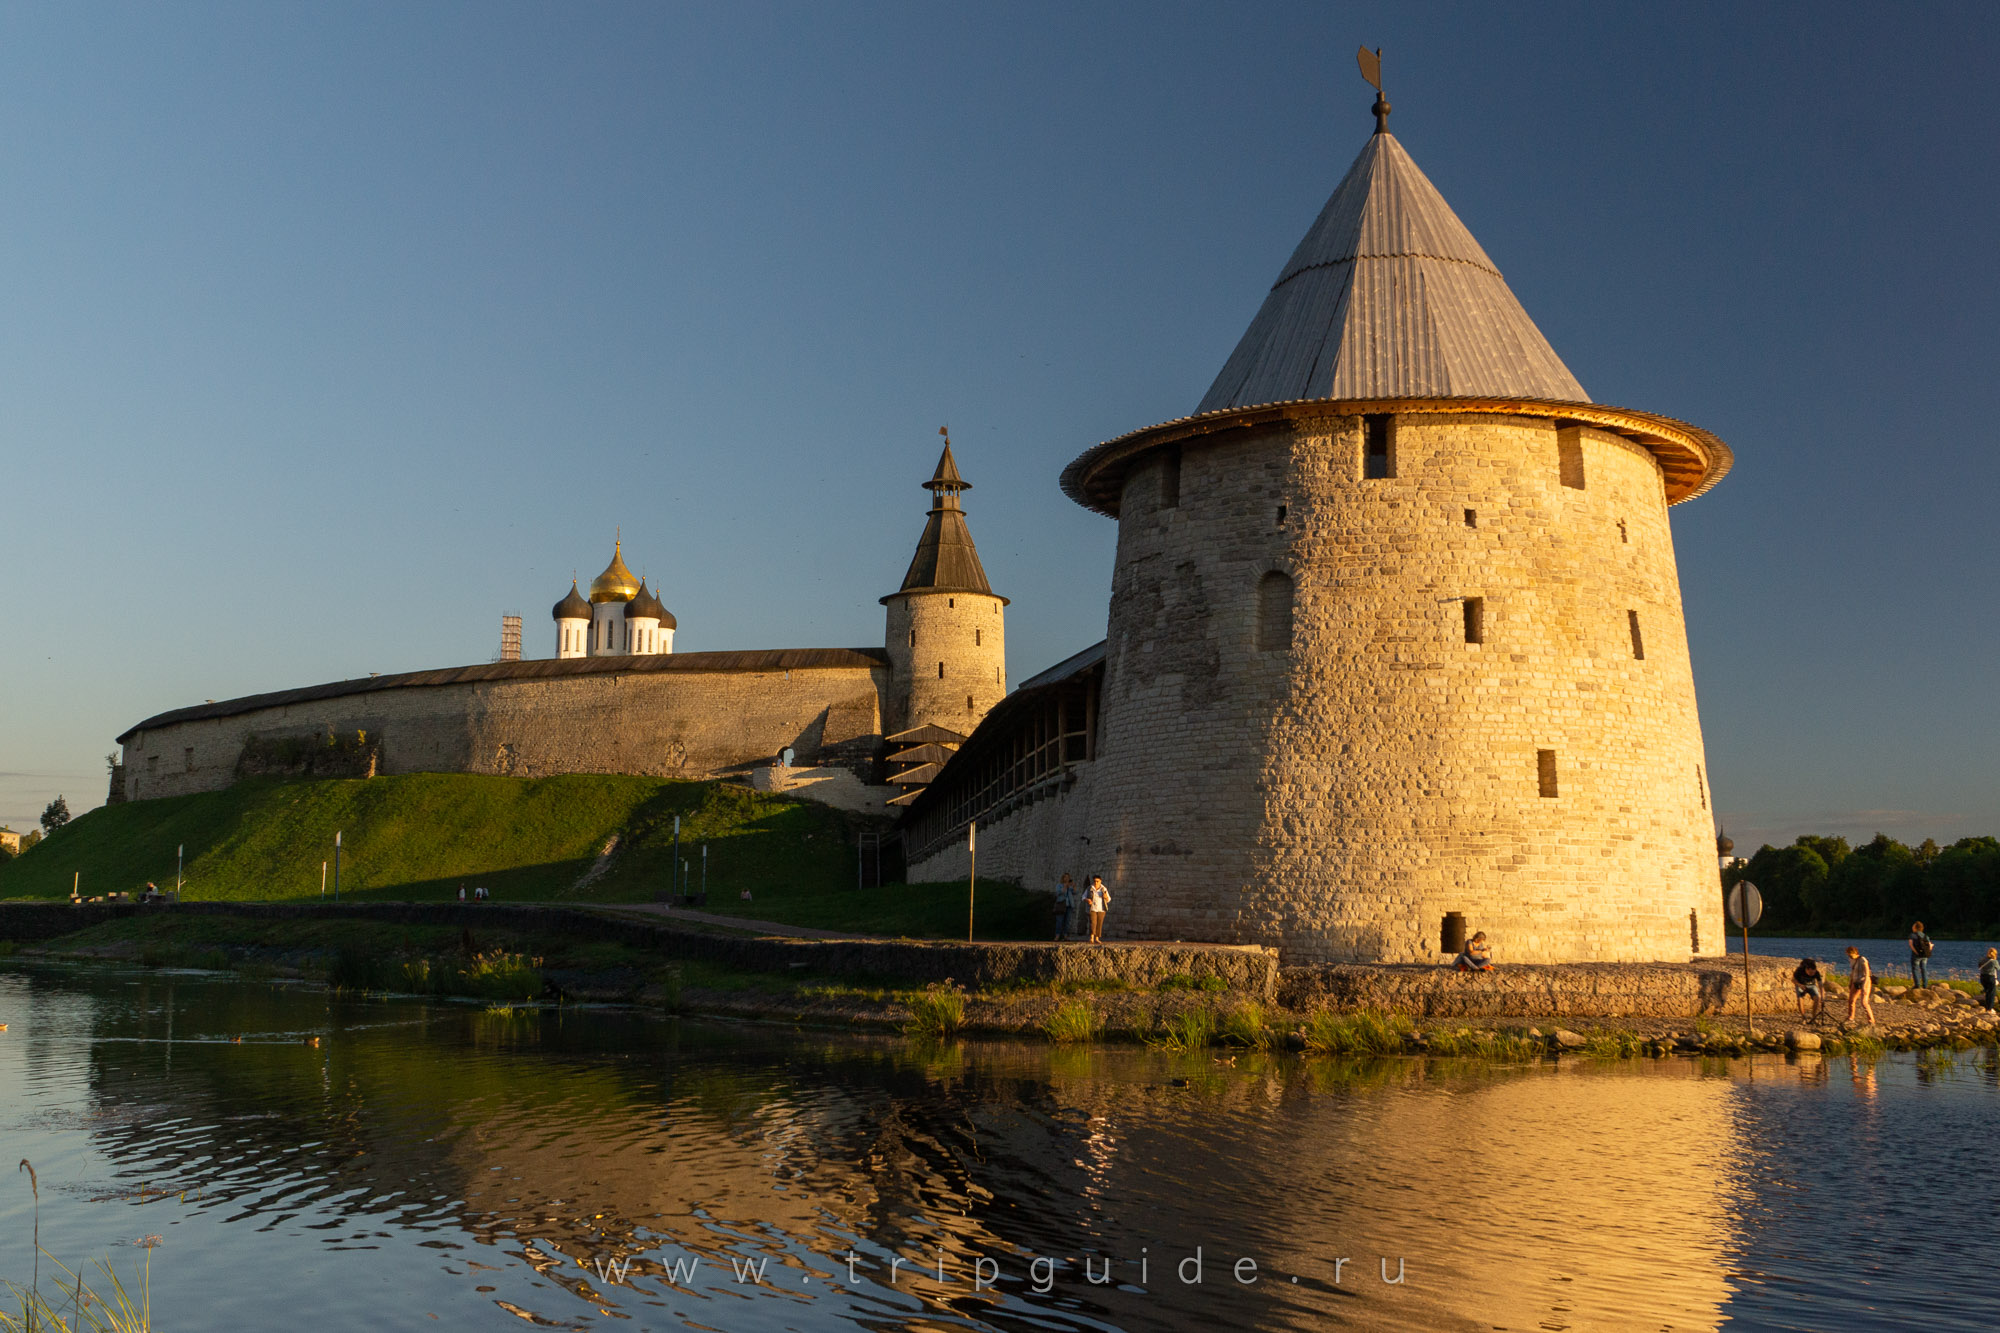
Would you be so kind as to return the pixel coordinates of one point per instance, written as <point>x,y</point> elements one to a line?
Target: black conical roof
<point>946,560</point>
<point>572,606</point>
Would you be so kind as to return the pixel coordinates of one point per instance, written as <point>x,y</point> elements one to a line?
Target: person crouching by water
<point>1989,975</point>
<point>1098,900</point>
<point>1860,985</point>
<point>1065,904</point>
<point>1478,955</point>
<point>1807,984</point>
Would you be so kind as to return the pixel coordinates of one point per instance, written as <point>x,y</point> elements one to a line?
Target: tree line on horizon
<point>1821,883</point>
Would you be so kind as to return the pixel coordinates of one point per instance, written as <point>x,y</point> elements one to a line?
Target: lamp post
<point>675,870</point>
<point>971,874</point>
<point>180,855</point>
<point>336,867</point>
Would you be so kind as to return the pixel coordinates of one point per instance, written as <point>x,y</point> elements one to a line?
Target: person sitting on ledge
<point>1808,984</point>
<point>1478,955</point>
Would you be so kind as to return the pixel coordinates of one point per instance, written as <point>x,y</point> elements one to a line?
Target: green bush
<point>938,1011</point>
<point>500,975</point>
<point>1071,1021</point>
<point>1364,1032</point>
<point>1244,1026</point>
<point>1189,1030</point>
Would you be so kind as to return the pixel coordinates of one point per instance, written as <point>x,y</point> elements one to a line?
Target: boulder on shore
<point>1567,1040</point>
<point>1799,1040</point>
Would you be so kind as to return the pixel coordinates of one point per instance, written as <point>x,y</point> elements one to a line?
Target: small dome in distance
<point>645,605</point>
<point>572,606</point>
<point>616,583</point>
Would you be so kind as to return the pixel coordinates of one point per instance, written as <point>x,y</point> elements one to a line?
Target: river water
<point>440,1165</point>
<point>1949,958</point>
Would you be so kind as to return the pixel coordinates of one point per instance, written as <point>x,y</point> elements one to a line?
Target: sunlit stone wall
<point>669,724</point>
<point>1337,793</point>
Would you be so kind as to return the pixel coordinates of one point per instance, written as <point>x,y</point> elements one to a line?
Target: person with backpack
<point>1989,975</point>
<point>1920,956</point>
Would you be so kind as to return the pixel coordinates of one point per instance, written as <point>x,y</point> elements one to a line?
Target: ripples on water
<point>440,1160</point>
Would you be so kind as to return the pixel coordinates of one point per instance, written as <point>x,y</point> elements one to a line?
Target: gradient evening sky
<point>330,332</point>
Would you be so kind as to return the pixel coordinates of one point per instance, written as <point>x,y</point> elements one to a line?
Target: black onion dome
<point>572,606</point>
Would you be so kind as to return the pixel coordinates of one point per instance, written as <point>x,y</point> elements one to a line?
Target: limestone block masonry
<point>948,658</point>
<point>1469,691</point>
<point>678,723</point>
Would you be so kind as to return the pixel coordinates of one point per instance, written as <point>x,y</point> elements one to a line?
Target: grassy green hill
<point>419,836</point>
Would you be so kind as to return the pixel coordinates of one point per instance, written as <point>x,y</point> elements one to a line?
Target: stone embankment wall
<point>1597,990</point>
<point>691,724</point>
<point>1243,970</point>
<point>1326,696</point>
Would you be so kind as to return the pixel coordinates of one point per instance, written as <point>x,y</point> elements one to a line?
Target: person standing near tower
<point>1098,900</point>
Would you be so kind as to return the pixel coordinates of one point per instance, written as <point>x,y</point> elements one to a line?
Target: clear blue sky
<point>330,332</point>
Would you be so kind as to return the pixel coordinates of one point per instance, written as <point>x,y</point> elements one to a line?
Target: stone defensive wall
<point>686,715</point>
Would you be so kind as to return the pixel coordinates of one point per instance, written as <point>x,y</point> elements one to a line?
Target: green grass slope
<point>419,836</point>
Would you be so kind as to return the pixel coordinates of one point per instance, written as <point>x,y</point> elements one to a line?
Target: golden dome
<point>616,583</point>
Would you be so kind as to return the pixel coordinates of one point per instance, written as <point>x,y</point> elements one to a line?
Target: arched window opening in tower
<point>1281,515</point>
<point>1475,620</point>
<point>1274,612</point>
<point>1638,642</point>
<point>1569,458</point>
<point>1545,771</point>
<point>1378,458</point>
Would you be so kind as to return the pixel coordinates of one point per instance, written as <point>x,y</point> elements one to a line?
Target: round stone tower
<point>1396,629</point>
<point>947,633</point>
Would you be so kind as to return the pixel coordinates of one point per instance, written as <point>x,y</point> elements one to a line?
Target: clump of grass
<point>1864,1046</point>
<point>76,1306</point>
<point>1614,1044</point>
<point>1189,1030</point>
<point>937,1011</point>
<point>1185,981</point>
<point>417,977</point>
<point>500,975</point>
<point>672,981</point>
<point>1071,1021</point>
<point>1095,984</point>
<point>1244,1025</point>
<point>1364,1032</point>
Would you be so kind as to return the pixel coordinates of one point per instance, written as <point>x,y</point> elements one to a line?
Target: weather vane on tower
<point>1371,70</point>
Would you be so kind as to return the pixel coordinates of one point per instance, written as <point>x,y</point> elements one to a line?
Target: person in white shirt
<point>1097,899</point>
<point>1860,985</point>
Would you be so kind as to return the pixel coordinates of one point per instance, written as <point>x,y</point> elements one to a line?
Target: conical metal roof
<point>946,560</point>
<point>1388,296</point>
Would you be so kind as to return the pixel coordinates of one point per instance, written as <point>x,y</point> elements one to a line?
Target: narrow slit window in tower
<point>1377,458</point>
<point>1274,612</point>
<point>940,671</point>
<point>1545,771</point>
<point>1638,642</point>
<point>1281,515</point>
<point>913,638</point>
<point>1624,536</point>
<point>189,752</point>
<point>1700,787</point>
<point>968,703</point>
<point>1475,620</point>
<point>1472,518</point>
<point>1569,458</point>
<point>1170,478</point>
<point>977,637</point>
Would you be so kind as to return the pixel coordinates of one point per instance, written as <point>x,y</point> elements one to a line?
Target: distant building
<point>10,842</point>
<point>617,698</point>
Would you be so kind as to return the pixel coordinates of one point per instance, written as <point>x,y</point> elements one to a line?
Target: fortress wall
<point>966,632</point>
<point>1338,797</point>
<point>1031,846</point>
<point>668,724</point>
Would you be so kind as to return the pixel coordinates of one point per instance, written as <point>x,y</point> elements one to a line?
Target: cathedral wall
<point>691,724</point>
<point>1334,787</point>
